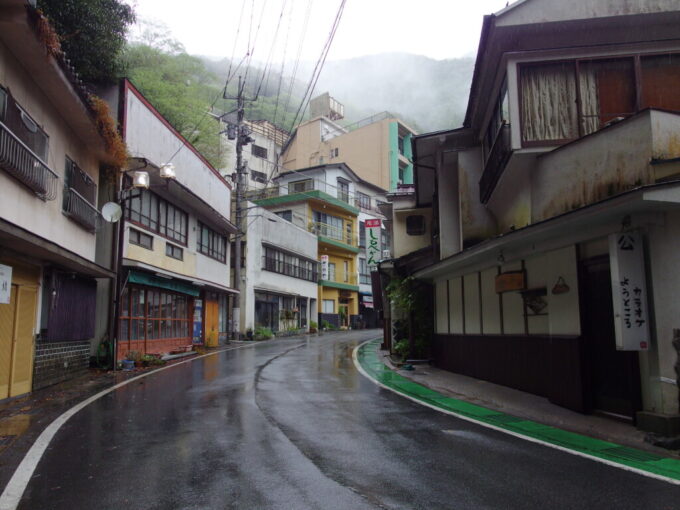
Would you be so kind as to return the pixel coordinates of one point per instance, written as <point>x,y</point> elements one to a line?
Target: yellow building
<point>318,199</point>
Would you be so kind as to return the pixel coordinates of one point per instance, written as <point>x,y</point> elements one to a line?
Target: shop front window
<point>153,314</point>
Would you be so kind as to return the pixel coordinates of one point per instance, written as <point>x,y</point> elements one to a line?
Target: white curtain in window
<point>590,102</point>
<point>548,102</point>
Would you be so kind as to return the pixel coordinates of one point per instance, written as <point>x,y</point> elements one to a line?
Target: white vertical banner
<point>372,244</point>
<point>629,291</point>
<point>5,284</point>
<point>324,267</point>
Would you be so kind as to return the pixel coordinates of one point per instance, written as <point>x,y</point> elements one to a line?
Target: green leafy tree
<point>182,89</point>
<point>92,34</point>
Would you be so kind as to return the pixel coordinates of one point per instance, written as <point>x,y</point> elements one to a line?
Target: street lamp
<point>140,180</point>
<point>167,171</point>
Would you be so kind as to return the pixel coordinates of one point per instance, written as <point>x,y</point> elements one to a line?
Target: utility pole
<point>240,132</point>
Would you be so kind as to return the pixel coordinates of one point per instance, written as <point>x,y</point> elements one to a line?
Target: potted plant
<point>129,362</point>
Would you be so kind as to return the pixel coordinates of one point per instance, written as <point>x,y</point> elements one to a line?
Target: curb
<point>623,457</point>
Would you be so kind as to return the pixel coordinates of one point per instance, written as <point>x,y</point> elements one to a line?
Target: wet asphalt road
<point>290,424</point>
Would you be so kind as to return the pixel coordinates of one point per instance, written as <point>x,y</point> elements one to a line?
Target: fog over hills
<point>428,94</point>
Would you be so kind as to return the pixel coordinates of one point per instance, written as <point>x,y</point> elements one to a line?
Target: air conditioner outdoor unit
<point>386,254</point>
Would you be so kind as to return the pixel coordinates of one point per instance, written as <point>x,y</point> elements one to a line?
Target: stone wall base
<point>59,361</point>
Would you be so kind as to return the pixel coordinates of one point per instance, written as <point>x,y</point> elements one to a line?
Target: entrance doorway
<point>343,310</point>
<point>612,376</point>
<point>267,315</point>
<point>212,321</point>
<point>17,320</point>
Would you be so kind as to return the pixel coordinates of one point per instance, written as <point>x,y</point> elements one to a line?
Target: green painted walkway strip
<point>610,452</point>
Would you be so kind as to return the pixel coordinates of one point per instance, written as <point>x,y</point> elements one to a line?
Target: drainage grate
<point>625,453</point>
<point>502,419</point>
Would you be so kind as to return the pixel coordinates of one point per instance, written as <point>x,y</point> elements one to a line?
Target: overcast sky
<point>435,28</point>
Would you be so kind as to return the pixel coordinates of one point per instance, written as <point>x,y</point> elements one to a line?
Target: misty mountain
<point>428,94</point>
<point>425,93</point>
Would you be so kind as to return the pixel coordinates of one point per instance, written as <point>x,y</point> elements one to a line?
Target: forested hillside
<point>427,94</point>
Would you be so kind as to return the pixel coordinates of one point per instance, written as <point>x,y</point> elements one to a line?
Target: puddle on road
<point>14,425</point>
<point>11,428</point>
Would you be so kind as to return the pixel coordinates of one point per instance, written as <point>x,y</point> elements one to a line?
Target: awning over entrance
<point>163,274</point>
<point>164,283</point>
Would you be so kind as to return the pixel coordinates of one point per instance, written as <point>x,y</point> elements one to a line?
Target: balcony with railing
<point>80,210</point>
<point>340,280</point>
<point>80,193</point>
<point>24,165</point>
<point>335,236</point>
<point>304,271</point>
<point>303,191</point>
<point>495,164</point>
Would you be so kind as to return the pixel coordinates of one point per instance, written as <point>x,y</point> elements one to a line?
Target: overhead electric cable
<point>319,64</point>
<point>283,64</point>
<point>267,66</point>
<point>233,49</point>
<point>297,58</point>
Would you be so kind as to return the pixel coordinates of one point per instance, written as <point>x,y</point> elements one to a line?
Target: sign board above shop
<point>324,267</point>
<point>5,284</point>
<point>629,291</point>
<point>372,243</point>
<point>510,280</point>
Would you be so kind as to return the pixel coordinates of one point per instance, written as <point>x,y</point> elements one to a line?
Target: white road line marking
<point>11,496</point>
<point>355,358</point>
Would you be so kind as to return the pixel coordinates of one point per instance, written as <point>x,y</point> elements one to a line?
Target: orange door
<point>7,313</point>
<point>17,320</point>
<point>212,326</point>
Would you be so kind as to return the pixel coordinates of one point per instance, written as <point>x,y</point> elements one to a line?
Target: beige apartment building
<point>378,148</point>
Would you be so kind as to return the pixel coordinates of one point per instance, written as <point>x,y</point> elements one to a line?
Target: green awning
<point>164,283</point>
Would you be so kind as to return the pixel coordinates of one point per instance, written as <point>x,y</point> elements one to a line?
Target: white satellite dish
<point>111,212</point>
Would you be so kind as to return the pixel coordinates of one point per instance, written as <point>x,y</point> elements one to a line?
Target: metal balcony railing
<point>80,210</point>
<point>21,163</point>
<point>370,120</point>
<point>304,272</point>
<point>495,163</point>
<point>341,277</point>
<point>334,233</point>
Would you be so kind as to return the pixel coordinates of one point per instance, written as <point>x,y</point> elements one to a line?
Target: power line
<point>267,67</point>
<point>316,72</point>
<point>283,64</point>
<point>233,50</point>
<point>198,124</point>
<point>324,51</point>
<point>319,63</point>
<point>299,53</point>
<point>251,50</point>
